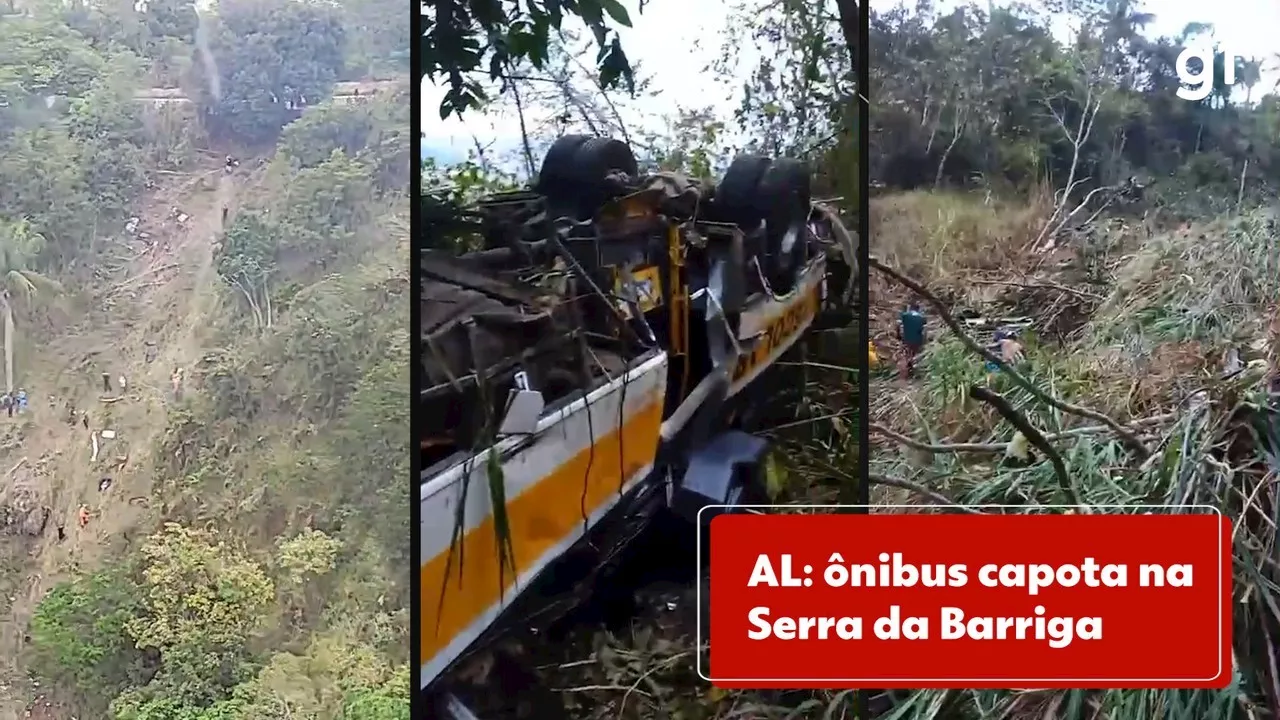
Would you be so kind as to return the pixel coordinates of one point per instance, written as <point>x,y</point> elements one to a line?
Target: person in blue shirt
<point>911,332</point>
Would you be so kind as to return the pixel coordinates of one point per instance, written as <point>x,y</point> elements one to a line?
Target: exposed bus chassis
<point>598,281</point>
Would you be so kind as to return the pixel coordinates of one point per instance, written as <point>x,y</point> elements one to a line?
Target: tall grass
<point>1174,306</point>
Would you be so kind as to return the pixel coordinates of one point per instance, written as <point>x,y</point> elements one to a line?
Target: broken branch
<point>935,496</point>
<point>1033,435</point>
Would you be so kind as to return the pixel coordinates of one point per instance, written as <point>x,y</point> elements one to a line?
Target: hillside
<point>202,513</point>
<point>1130,235</point>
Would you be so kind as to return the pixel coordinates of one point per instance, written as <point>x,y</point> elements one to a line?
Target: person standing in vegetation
<point>911,331</point>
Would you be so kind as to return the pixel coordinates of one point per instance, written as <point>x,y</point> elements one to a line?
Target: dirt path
<point>157,291</point>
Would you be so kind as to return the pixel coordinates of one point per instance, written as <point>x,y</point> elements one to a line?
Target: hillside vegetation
<point>1068,185</point>
<point>203,508</point>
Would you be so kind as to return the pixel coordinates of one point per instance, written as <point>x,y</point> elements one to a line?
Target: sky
<point>689,27</point>
<point>662,26</point>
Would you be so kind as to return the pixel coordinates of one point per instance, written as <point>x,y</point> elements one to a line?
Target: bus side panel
<point>584,462</point>
<point>778,324</point>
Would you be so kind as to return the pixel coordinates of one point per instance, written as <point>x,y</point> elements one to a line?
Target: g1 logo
<point>1199,85</point>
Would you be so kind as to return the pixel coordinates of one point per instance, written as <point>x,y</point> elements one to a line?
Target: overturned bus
<point>588,364</point>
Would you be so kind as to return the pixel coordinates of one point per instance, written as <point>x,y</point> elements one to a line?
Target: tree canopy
<point>987,94</point>
<point>465,40</point>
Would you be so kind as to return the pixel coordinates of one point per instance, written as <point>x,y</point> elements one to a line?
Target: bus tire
<point>785,194</point>
<point>557,172</point>
<point>574,170</point>
<point>737,197</point>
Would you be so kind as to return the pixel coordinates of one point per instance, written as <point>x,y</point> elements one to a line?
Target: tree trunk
<point>8,343</point>
<point>942,161</point>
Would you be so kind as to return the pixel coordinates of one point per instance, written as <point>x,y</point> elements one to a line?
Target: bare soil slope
<point>156,290</point>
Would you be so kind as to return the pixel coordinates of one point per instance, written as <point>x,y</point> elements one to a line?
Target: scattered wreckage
<point>586,369</point>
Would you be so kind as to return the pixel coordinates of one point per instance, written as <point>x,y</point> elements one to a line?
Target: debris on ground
<point>22,510</point>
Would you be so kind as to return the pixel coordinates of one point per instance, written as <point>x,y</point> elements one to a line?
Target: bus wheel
<point>575,168</point>
<point>785,194</point>
<point>737,199</point>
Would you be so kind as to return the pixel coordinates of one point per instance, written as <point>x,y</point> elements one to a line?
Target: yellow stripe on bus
<point>540,517</point>
<point>782,329</point>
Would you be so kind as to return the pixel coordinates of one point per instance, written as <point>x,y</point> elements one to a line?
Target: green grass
<point>1208,289</point>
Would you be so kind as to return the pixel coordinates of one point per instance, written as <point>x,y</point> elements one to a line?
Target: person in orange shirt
<point>84,515</point>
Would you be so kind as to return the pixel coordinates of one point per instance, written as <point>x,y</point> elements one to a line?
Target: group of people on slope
<point>14,402</point>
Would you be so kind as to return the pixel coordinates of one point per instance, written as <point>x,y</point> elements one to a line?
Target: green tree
<point>302,561</point>
<point>19,245</point>
<point>464,36</point>
<point>378,39</point>
<point>274,57</point>
<point>44,57</point>
<point>390,701</point>
<point>202,602</point>
<point>323,209</point>
<point>45,184</point>
<point>107,125</point>
<point>79,638</point>
<point>376,132</point>
<point>247,259</point>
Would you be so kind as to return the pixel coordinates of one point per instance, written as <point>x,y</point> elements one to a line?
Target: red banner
<point>970,601</point>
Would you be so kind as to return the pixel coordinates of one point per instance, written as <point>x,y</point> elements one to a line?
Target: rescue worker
<point>83,516</point>
<point>911,331</point>
<point>22,400</point>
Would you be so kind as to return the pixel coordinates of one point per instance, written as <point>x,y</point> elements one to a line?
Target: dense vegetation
<point>269,578</point>
<point>1066,183</point>
<point>986,96</point>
